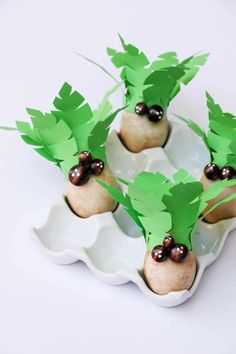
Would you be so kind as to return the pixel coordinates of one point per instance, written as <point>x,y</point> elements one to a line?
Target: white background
<point>45,308</point>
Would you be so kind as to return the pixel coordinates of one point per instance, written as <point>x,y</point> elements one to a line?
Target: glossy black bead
<point>85,158</point>
<point>155,113</point>
<point>227,172</point>
<point>141,108</point>
<point>159,253</point>
<point>96,167</point>
<point>169,242</point>
<point>78,175</point>
<point>211,171</point>
<point>178,252</point>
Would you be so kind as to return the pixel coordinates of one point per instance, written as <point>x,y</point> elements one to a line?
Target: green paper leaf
<point>193,66</point>
<point>185,217</point>
<point>182,176</point>
<point>168,72</point>
<point>138,202</point>
<point>147,183</point>
<point>44,153</point>
<point>215,141</point>
<point>221,137</point>
<point>187,192</point>
<point>29,140</point>
<point>165,82</point>
<point>89,129</point>
<point>128,58</point>
<point>75,118</point>
<point>223,125</point>
<point>28,132</point>
<point>105,107</point>
<point>63,133</point>
<point>153,201</point>
<point>68,101</point>
<point>34,113</point>
<point>111,51</point>
<point>24,127</point>
<point>161,85</point>
<point>220,159</point>
<point>99,133</point>
<point>59,132</point>
<point>40,120</point>
<point>214,108</point>
<point>157,228</point>
<point>70,108</point>
<point>165,60</point>
<point>62,149</point>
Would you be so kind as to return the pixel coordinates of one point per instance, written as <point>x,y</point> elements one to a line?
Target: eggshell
<point>91,198</point>
<point>168,275</point>
<point>138,132</point>
<point>224,211</point>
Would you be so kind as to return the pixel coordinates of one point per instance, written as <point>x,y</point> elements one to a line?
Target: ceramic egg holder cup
<point>110,243</point>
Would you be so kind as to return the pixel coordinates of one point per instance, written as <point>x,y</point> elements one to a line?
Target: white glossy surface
<point>111,254</point>
<point>46,308</point>
<point>185,150</point>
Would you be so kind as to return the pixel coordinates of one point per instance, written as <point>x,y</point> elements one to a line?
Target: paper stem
<point>224,200</point>
<point>99,66</point>
<point>8,128</point>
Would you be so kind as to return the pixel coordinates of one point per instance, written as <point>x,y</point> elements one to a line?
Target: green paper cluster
<point>157,82</point>
<point>221,137</point>
<point>70,128</point>
<point>162,207</point>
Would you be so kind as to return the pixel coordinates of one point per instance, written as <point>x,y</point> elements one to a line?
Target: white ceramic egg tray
<point>111,244</point>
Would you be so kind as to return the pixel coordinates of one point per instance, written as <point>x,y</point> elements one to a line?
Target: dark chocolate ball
<point>178,252</point>
<point>141,108</point>
<point>169,242</point>
<point>96,167</point>
<point>159,253</point>
<point>155,113</point>
<point>85,158</point>
<point>227,172</point>
<point>78,175</point>
<point>211,171</point>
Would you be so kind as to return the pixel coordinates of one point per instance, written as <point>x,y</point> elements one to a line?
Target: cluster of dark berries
<point>154,113</point>
<point>176,251</point>
<point>213,172</point>
<point>79,174</point>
